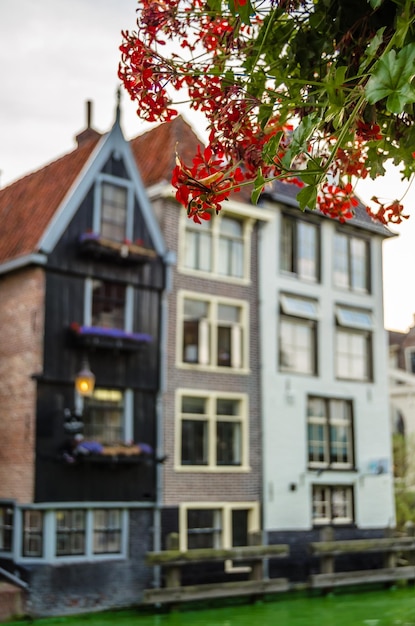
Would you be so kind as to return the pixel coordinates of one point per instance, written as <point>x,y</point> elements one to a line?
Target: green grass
<point>387,607</point>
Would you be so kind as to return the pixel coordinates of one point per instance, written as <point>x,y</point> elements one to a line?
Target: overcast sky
<point>57,54</point>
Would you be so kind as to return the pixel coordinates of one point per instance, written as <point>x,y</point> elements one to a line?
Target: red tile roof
<point>155,151</point>
<point>27,206</point>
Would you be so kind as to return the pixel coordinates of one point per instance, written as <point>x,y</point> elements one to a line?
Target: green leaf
<point>375,4</point>
<point>271,147</point>
<point>259,183</point>
<point>392,78</point>
<point>307,197</point>
<point>245,11</point>
<point>300,138</point>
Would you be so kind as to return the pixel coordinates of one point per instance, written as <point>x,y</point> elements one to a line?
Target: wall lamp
<point>85,380</point>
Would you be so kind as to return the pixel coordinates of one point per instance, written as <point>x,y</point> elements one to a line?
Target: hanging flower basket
<point>94,244</point>
<point>102,337</point>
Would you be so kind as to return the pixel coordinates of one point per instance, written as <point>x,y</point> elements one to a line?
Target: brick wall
<point>21,356</point>
<point>210,486</point>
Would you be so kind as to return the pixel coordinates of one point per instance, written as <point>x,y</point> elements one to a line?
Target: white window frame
<point>329,492</point>
<point>117,182</point>
<point>327,421</point>
<point>208,354</point>
<point>349,286</point>
<point>214,224</point>
<point>355,322</point>
<point>303,312</point>
<point>226,508</point>
<point>210,398</point>
<point>295,270</point>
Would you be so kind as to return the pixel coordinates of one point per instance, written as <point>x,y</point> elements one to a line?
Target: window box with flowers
<point>93,244</point>
<point>102,337</point>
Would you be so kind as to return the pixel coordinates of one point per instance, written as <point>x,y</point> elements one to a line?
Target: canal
<point>388,607</point>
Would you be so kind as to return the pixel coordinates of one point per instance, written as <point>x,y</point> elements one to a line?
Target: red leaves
<point>203,187</point>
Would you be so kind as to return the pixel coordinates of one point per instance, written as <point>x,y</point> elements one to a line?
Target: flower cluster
<point>203,187</point>
<point>387,213</point>
<point>272,112</point>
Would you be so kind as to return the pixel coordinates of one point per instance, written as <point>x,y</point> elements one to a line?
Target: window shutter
<point>236,347</point>
<point>203,342</point>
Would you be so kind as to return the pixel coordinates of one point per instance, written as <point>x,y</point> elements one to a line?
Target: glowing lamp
<point>85,381</point>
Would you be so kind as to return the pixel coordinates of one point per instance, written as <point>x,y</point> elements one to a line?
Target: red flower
<point>203,187</point>
<point>387,214</point>
<point>337,202</point>
<point>368,131</point>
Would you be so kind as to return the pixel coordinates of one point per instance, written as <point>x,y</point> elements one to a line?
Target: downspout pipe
<point>170,260</point>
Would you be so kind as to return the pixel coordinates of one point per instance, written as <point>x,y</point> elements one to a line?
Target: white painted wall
<point>285,395</point>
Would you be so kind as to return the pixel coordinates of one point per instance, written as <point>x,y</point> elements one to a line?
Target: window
<point>6,528</point>
<point>212,431</point>
<point>32,533</point>
<point>298,335</point>
<point>353,344</point>
<point>214,333</point>
<point>330,434</point>
<point>351,262</point>
<point>300,243</point>
<point>103,416</point>
<point>70,532</point>
<point>218,246</point>
<point>108,304</point>
<point>113,211</point>
<point>332,504</point>
<point>107,531</point>
<point>217,525</point>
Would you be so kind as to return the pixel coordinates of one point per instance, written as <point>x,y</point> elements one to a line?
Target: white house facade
<point>325,407</point>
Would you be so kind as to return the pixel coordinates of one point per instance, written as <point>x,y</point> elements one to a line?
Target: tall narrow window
<point>300,248</point>
<point>113,211</point>
<point>229,336</point>
<point>231,248</point>
<point>195,431</point>
<point>298,335</point>
<point>32,533</point>
<point>196,337</point>
<point>353,344</point>
<point>330,435</point>
<point>107,531</point>
<point>104,416</point>
<point>351,262</point>
<point>108,304</point>
<point>198,246</point>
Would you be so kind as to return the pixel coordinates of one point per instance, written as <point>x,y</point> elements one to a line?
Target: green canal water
<point>389,607</point>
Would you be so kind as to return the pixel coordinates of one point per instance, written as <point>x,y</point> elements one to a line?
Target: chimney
<point>89,133</point>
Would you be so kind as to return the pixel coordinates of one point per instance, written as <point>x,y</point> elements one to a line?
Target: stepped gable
<point>28,204</point>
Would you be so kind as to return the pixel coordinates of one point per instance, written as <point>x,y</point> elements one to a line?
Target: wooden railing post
<point>173,573</point>
<point>327,560</point>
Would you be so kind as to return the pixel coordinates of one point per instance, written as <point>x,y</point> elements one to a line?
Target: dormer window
<point>114,200</point>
